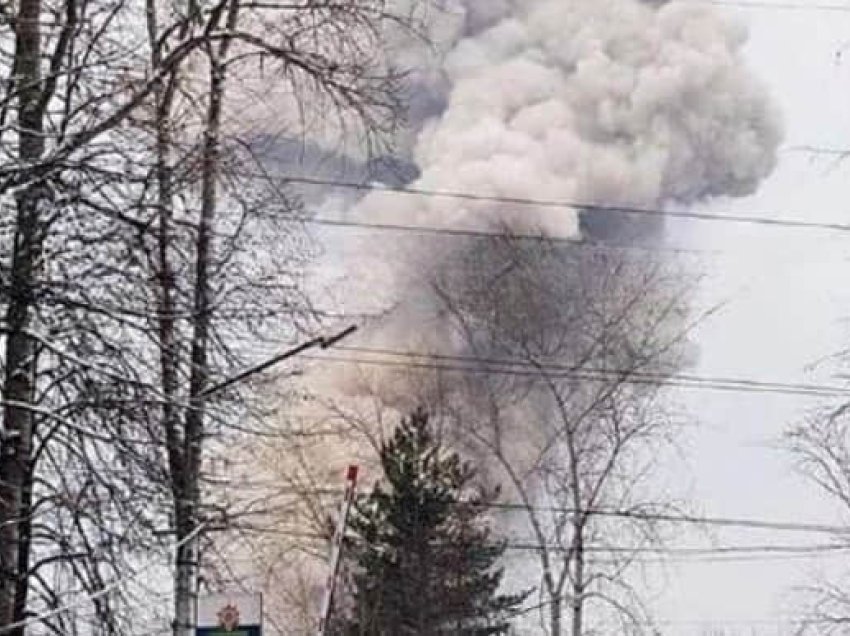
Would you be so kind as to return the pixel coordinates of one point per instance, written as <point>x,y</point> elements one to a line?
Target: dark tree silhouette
<point>426,563</point>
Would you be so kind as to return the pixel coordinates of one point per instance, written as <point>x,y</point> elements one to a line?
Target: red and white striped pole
<point>336,548</point>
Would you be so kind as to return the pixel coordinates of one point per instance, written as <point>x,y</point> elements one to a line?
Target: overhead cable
<point>620,376</point>
<point>546,367</point>
<point>577,206</point>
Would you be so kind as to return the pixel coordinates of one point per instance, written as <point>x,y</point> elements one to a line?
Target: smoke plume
<point>596,102</point>
<point>611,102</point>
<point>608,102</point>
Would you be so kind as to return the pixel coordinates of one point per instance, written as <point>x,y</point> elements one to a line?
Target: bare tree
<point>55,103</point>
<point>550,360</point>
<point>566,350</point>
<point>324,50</point>
<point>821,448</point>
<point>118,256</point>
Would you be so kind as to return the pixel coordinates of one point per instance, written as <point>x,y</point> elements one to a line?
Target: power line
<point>534,546</point>
<point>724,553</point>
<point>841,153</point>
<point>685,551</point>
<point>724,522</point>
<point>472,233</point>
<point>826,390</point>
<point>680,518</point>
<point>766,4</point>
<point>560,204</point>
<point>595,376</point>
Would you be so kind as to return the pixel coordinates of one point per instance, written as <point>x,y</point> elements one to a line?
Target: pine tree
<point>426,564</point>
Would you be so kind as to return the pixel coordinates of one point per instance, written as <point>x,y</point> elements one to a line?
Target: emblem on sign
<point>228,617</point>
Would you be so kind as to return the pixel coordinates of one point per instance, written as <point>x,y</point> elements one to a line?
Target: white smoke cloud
<point>610,102</point>
<point>614,102</point>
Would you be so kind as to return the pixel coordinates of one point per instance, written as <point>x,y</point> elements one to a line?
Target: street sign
<point>230,615</point>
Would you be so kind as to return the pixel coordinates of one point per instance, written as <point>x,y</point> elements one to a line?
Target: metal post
<point>336,549</point>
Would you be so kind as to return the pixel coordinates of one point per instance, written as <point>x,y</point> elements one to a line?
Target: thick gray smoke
<point>608,102</point>
<point>612,102</point>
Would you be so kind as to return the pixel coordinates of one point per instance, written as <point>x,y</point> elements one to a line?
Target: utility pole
<point>336,549</point>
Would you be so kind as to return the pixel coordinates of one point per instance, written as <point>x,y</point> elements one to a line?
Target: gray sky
<point>788,305</point>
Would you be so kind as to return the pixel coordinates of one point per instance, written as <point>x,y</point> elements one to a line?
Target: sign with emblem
<point>230,615</point>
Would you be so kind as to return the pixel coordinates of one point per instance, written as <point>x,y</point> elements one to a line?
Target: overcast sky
<point>788,306</point>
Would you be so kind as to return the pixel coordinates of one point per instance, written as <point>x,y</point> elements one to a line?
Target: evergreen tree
<point>426,564</point>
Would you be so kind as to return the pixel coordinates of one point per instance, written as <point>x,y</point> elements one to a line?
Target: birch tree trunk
<point>185,593</point>
<point>20,362</point>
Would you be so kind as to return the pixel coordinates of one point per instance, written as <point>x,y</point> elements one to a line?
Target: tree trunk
<point>555,617</point>
<point>170,360</point>
<point>579,520</point>
<point>193,435</point>
<point>578,582</point>
<point>16,442</point>
<point>166,325</point>
<point>184,558</point>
